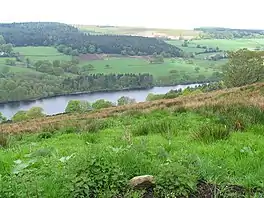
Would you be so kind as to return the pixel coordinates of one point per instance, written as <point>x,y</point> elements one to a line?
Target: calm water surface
<point>58,104</point>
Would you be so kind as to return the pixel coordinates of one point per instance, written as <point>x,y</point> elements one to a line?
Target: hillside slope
<point>51,34</point>
<point>206,145</point>
<point>248,95</point>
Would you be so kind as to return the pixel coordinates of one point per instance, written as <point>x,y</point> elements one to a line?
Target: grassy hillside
<point>235,44</point>
<point>163,73</point>
<point>41,53</point>
<point>206,145</point>
<point>141,65</point>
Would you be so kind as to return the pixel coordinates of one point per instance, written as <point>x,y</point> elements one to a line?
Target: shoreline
<point>98,91</point>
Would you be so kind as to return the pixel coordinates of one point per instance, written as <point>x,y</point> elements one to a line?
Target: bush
<point>124,100</point>
<point>211,133</point>
<point>78,106</point>
<point>100,104</point>
<point>175,180</point>
<point>98,175</point>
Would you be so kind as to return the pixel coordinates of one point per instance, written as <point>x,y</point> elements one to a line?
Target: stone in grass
<point>142,182</point>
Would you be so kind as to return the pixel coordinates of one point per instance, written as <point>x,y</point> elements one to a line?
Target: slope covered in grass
<point>200,145</point>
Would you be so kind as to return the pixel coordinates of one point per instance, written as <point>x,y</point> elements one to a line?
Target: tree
<point>243,67</point>
<point>75,52</point>
<point>20,116</point>
<point>75,106</point>
<point>2,40</point>
<point>91,49</point>
<point>124,100</point>
<point>10,62</point>
<point>35,112</point>
<point>197,69</point>
<point>107,66</point>
<point>27,62</point>
<point>100,104</point>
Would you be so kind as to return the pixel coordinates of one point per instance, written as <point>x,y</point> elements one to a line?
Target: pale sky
<point>147,13</point>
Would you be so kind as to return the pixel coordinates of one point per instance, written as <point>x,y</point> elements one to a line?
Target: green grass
<point>234,44</point>
<point>192,48</point>
<point>136,65</point>
<point>41,53</point>
<point>173,147</point>
<point>16,69</point>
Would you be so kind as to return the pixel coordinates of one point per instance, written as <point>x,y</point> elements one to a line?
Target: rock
<point>142,182</point>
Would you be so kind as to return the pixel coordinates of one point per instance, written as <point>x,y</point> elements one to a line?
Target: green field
<point>139,65</point>
<point>235,44</point>
<point>191,47</point>
<point>122,64</point>
<point>41,53</point>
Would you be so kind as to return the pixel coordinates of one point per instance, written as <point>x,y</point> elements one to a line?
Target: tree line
<point>70,40</point>
<point>228,33</point>
<point>25,86</point>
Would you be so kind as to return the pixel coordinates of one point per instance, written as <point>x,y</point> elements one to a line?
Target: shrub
<point>100,104</point>
<point>98,175</point>
<point>125,100</point>
<point>210,133</point>
<point>78,106</point>
<point>175,180</point>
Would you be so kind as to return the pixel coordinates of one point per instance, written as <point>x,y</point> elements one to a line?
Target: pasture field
<point>15,69</point>
<point>235,44</point>
<point>41,53</point>
<point>192,145</point>
<point>140,65</point>
<point>191,47</point>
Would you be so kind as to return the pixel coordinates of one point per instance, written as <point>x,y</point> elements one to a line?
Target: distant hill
<point>139,31</point>
<point>54,34</point>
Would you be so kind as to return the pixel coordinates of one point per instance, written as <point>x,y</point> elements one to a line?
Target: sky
<point>183,14</point>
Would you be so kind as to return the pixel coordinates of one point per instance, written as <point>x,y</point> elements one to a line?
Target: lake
<point>58,104</point>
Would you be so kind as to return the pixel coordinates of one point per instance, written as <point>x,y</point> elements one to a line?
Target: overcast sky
<point>148,13</point>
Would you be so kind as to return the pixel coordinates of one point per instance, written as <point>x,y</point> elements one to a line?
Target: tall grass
<point>164,126</point>
<point>211,133</point>
<point>4,140</point>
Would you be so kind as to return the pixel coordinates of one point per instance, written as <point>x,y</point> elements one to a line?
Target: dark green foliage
<point>34,112</point>
<point>19,87</point>
<point>70,40</point>
<point>99,178</point>
<point>210,133</point>
<point>228,33</point>
<point>175,180</point>
<point>244,67</point>
<point>124,100</point>
<point>76,106</point>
